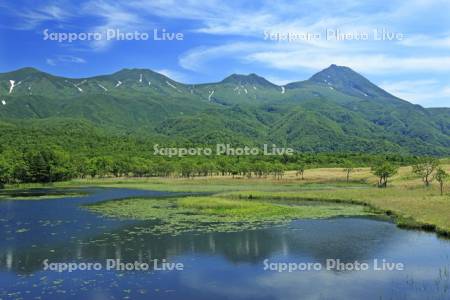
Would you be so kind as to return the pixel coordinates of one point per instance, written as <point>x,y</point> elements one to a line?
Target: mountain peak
<point>334,71</point>
<point>141,74</point>
<point>251,78</point>
<point>349,82</point>
<point>28,70</point>
<point>138,71</point>
<point>25,73</point>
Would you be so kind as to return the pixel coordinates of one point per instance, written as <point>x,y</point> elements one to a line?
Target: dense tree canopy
<point>59,151</point>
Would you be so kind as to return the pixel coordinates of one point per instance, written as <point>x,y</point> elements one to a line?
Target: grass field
<point>37,195</point>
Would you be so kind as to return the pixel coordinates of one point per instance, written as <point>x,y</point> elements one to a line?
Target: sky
<point>402,46</point>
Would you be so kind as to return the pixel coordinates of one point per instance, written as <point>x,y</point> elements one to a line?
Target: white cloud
<point>113,16</point>
<point>174,75</point>
<point>64,59</point>
<point>426,41</point>
<point>30,18</point>
<point>280,80</point>
<point>367,62</point>
<point>291,57</point>
<point>188,10</point>
<point>197,59</point>
<point>426,92</point>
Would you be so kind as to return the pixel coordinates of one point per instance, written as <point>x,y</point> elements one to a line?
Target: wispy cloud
<point>64,59</point>
<point>426,92</point>
<point>113,15</point>
<point>427,41</point>
<point>33,17</point>
<point>289,58</point>
<point>197,59</point>
<point>174,75</point>
<point>371,63</point>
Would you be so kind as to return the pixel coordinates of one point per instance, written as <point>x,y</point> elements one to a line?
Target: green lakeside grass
<point>420,208</point>
<point>10,195</point>
<point>200,184</point>
<point>208,214</point>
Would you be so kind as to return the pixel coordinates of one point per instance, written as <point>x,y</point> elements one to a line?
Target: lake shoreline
<point>406,200</point>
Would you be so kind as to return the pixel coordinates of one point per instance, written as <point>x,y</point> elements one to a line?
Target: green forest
<point>61,150</point>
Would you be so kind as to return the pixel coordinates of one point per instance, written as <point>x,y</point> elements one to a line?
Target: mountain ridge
<point>336,109</point>
<point>321,77</point>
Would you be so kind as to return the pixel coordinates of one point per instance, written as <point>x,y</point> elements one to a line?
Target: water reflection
<point>217,265</point>
<point>345,239</point>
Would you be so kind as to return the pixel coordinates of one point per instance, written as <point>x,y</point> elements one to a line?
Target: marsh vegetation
<point>218,214</point>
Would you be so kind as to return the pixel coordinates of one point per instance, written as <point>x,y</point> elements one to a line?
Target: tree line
<point>46,164</point>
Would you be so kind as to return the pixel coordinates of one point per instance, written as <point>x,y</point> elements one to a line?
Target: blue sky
<point>224,37</point>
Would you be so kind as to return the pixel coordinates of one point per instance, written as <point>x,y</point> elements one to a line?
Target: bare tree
<point>301,170</point>
<point>348,169</point>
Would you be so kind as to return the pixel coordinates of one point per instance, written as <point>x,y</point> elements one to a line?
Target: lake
<point>237,265</point>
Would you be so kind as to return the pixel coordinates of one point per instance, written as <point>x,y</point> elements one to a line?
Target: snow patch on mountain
<point>210,95</point>
<point>78,86</point>
<point>118,83</point>
<point>283,90</point>
<point>172,86</point>
<point>105,89</point>
<point>12,84</point>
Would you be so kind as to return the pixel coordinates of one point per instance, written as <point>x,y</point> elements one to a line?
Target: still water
<point>215,265</point>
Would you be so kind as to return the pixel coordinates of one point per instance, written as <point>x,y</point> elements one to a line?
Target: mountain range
<point>336,109</point>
